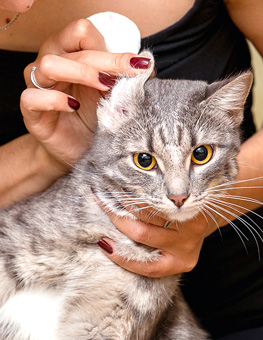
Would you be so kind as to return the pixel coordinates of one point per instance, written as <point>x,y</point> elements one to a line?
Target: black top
<point>225,290</point>
<point>12,84</point>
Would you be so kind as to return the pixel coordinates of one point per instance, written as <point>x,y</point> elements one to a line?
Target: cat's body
<point>56,284</point>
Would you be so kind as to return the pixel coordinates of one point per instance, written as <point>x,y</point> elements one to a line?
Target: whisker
<point>213,218</point>
<point>235,228</point>
<point>234,182</point>
<point>201,117</point>
<point>241,198</point>
<point>215,196</point>
<point>240,207</point>
<point>247,224</point>
<point>247,165</point>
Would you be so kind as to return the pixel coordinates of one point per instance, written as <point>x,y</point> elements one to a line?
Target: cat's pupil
<point>200,153</point>
<point>145,160</point>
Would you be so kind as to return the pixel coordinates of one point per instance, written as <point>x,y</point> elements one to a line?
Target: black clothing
<point>11,86</point>
<point>249,334</point>
<point>225,290</point>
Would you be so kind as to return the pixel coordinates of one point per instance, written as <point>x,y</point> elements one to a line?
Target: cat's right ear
<point>229,95</point>
<point>120,105</point>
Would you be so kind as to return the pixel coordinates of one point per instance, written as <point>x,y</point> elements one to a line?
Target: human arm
<point>247,16</point>
<point>25,169</point>
<point>61,133</point>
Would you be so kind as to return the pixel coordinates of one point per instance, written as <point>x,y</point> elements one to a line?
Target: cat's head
<point>166,143</point>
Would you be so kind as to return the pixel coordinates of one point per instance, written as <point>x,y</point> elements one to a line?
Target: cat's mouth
<point>152,214</point>
<point>127,203</point>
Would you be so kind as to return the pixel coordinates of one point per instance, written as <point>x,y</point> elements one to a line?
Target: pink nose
<point>178,200</point>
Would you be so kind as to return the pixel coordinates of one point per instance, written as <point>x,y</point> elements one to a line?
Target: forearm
<point>246,194</point>
<point>247,16</point>
<point>25,169</point>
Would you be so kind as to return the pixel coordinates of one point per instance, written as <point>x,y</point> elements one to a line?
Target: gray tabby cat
<point>163,143</point>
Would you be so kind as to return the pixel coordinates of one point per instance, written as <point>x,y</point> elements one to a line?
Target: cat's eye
<point>202,154</point>
<point>144,161</point>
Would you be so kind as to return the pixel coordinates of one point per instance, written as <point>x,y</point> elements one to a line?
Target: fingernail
<point>139,62</point>
<point>105,246</point>
<point>106,79</point>
<point>73,103</point>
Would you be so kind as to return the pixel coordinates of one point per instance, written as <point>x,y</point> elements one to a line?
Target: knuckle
<point>81,27</point>
<point>150,271</point>
<point>46,64</point>
<point>140,235</point>
<point>26,101</point>
<point>117,62</point>
<point>191,245</point>
<point>190,265</point>
<point>24,98</point>
<point>84,72</point>
<point>121,62</point>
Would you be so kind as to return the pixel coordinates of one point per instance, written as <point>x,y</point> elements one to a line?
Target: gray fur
<point>48,241</point>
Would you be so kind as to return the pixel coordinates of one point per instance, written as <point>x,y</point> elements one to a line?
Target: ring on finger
<point>35,83</point>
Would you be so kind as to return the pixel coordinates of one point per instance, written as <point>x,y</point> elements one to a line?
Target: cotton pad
<point>120,33</point>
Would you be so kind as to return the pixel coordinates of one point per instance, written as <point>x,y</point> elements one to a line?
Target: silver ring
<point>167,224</point>
<point>35,83</point>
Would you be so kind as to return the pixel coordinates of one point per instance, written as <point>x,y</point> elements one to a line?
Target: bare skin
<point>47,17</point>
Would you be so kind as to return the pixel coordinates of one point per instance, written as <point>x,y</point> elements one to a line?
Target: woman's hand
<point>75,62</point>
<point>180,244</point>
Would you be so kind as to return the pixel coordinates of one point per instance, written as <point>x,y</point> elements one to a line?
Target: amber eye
<point>144,161</point>
<point>202,154</point>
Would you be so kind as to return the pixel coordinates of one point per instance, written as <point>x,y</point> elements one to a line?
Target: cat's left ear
<point>230,95</point>
<point>124,98</point>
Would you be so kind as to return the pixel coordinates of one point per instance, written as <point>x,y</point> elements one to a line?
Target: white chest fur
<point>36,314</point>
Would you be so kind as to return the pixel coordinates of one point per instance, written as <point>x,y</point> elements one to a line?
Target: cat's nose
<point>178,200</point>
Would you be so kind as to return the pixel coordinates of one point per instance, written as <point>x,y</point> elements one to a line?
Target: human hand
<point>180,244</point>
<point>75,61</point>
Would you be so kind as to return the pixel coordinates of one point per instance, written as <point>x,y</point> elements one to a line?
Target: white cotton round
<point>120,33</point>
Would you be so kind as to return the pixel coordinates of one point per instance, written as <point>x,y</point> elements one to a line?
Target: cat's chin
<point>183,215</point>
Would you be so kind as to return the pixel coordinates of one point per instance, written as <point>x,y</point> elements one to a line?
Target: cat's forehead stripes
<point>173,135</point>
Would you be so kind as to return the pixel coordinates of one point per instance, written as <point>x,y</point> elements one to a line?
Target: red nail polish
<point>105,246</point>
<point>73,103</point>
<point>139,62</point>
<point>106,79</point>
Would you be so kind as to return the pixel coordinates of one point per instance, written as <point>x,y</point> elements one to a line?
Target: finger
<point>182,237</point>
<point>76,36</point>
<point>84,68</point>
<point>148,234</point>
<point>124,64</point>
<point>53,69</point>
<point>33,102</point>
<point>167,264</point>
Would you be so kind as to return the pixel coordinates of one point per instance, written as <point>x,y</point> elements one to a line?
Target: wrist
<point>47,167</point>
